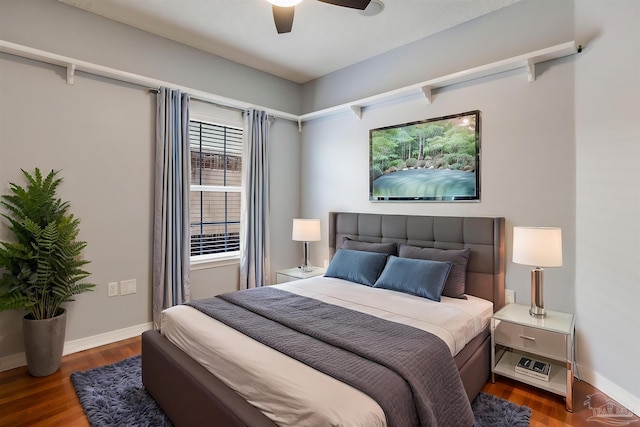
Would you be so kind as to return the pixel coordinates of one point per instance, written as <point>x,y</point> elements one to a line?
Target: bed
<point>191,395</point>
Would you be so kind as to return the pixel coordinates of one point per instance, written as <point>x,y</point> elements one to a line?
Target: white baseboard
<point>74,346</point>
<point>106,338</point>
<point>614,391</point>
<point>12,361</point>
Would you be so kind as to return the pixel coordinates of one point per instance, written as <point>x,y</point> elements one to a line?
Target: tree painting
<point>434,159</point>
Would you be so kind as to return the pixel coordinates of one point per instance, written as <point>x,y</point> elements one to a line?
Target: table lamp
<point>306,230</point>
<point>538,247</point>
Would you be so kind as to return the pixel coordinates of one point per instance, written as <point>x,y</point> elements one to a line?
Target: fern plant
<point>42,267</point>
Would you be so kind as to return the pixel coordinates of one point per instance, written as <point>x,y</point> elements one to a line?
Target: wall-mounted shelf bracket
<point>531,69</point>
<point>71,72</point>
<point>426,90</point>
<point>525,61</point>
<point>72,65</point>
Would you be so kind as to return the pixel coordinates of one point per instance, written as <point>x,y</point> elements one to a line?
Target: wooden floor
<point>51,401</point>
<point>547,409</point>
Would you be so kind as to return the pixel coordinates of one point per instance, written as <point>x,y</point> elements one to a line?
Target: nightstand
<point>291,274</point>
<point>514,334</point>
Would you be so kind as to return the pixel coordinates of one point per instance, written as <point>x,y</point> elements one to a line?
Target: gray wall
<point>608,195</point>
<point>527,163</point>
<point>560,151</point>
<point>498,35</point>
<point>59,28</point>
<point>100,133</point>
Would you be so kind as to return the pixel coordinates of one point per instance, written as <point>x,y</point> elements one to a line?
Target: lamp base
<point>306,267</point>
<point>537,303</point>
<point>537,312</point>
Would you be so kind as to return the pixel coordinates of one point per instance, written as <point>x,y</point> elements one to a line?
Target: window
<point>216,189</point>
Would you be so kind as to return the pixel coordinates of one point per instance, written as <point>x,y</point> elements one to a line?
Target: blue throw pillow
<point>356,266</point>
<point>415,276</point>
<point>456,282</point>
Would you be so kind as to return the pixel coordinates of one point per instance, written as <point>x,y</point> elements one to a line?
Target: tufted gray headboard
<point>485,237</point>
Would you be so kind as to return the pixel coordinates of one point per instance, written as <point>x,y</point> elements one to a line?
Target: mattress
<point>293,394</point>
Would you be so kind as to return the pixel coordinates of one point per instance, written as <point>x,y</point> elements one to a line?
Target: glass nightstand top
<point>554,321</point>
<point>299,274</point>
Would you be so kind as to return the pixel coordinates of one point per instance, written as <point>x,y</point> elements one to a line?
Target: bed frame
<point>190,395</point>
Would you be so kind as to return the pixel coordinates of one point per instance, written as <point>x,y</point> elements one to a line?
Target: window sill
<point>223,261</point>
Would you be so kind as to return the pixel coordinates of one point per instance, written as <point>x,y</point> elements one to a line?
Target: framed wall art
<point>436,159</point>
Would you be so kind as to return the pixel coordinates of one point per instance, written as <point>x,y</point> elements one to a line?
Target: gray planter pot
<point>43,343</point>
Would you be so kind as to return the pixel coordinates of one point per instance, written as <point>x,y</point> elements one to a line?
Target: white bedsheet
<point>293,394</point>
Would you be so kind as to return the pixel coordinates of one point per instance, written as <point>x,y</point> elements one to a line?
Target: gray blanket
<point>410,373</point>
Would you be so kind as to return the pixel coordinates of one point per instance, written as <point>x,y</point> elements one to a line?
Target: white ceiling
<point>324,38</point>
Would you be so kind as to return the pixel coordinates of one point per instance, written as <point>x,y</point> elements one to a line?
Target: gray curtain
<point>254,258</point>
<point>171,241</point>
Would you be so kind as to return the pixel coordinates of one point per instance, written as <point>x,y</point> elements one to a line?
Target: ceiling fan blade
<point>354,4</point>
<point>283,17</point>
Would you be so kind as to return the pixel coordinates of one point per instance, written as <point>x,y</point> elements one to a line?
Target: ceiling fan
<point>283,10</point>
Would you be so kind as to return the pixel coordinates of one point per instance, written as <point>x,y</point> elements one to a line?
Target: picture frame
<point>436,159</point>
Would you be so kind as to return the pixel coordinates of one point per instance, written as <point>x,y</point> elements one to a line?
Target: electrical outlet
<point>128,287</point>
<point>509,296</point>
<point>113,289</point>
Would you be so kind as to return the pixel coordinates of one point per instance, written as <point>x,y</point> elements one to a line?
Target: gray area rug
<point>113,395</point>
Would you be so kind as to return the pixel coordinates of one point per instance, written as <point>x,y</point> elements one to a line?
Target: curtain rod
<point>73,65</point>
<point>228,107</point>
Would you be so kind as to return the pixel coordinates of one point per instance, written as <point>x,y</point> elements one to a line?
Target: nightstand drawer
<point>534,340</point>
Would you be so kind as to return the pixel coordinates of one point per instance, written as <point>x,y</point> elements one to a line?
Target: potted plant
<point>41,269</point>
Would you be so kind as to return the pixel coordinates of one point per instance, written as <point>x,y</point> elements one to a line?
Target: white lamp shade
<point>284,3</point>
<point>306,230</point>
<point>537,246</point>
